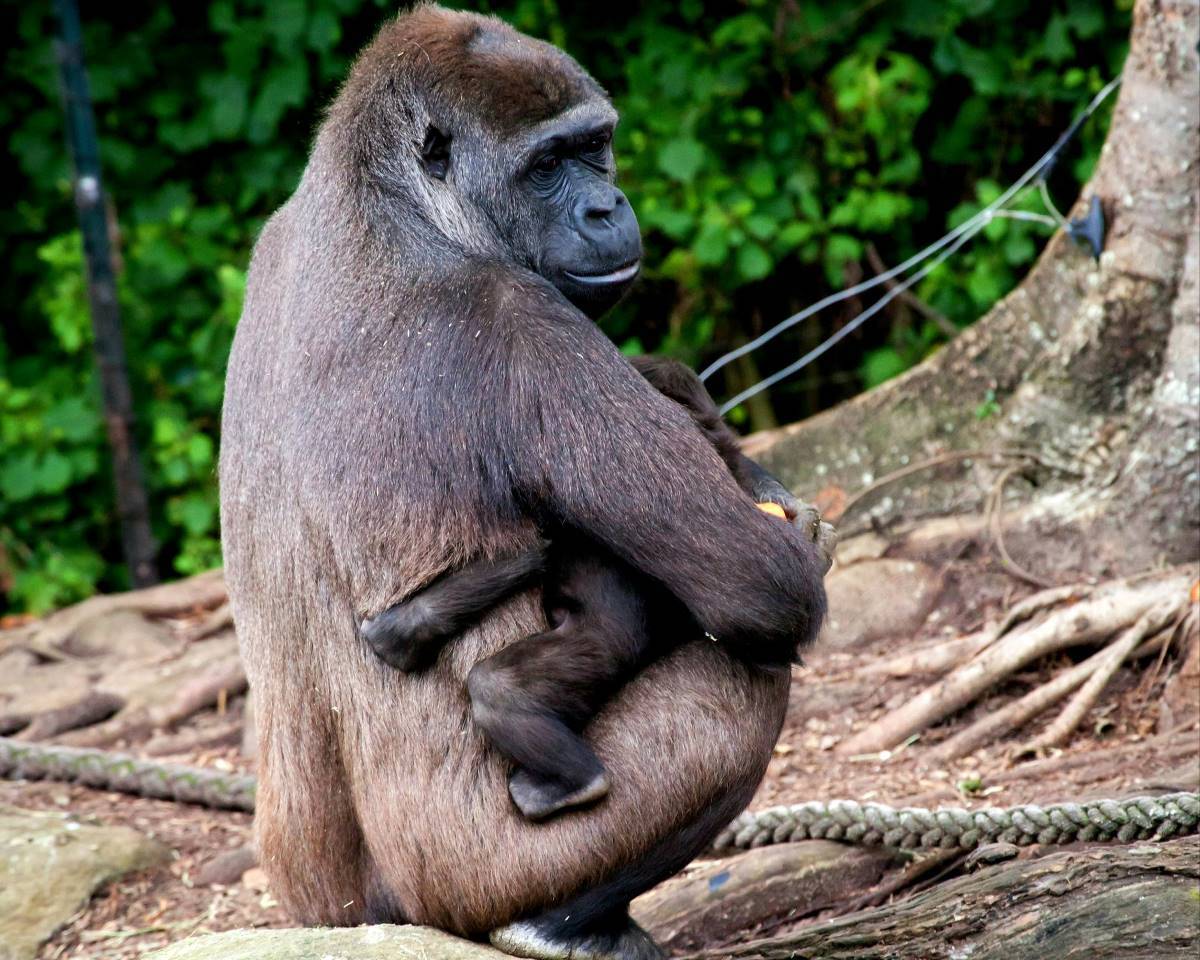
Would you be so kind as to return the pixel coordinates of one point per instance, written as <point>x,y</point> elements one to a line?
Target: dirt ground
<point>1119,750</point>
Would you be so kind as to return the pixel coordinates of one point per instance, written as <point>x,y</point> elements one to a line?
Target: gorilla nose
<point>600,205</point>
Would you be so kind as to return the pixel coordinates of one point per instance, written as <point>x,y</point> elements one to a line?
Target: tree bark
<point>1093,366</point>
<point>1136,902</point>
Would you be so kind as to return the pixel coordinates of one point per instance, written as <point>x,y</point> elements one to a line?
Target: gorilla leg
<point>595,924</point>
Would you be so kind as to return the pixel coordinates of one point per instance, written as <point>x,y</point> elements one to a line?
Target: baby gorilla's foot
<point>539,798</point>
<point>401,636</point>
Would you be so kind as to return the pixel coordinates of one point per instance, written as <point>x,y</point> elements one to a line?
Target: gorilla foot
<point>540,939</point>
<point>539,798</point>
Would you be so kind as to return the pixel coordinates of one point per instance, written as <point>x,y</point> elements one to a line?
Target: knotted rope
<point>874,824</point>
<point>125,774</point>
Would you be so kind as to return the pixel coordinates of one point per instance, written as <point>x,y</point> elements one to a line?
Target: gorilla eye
<point>547,164</point>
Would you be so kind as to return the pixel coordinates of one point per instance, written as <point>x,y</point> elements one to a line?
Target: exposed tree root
<point>1110,660</point>
<point>94,707</point>
<point>189,741</point>
<point>216,620</point>
<point>201,592</point>
<point>934,658</point>
<point>220,680</point>
<point>1105,612</point>
<point>1021,711</point>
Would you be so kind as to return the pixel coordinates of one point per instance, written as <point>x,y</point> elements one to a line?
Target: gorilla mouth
<point>620,275</point>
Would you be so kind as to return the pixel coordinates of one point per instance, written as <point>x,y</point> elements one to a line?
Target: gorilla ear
<point>435,152</point>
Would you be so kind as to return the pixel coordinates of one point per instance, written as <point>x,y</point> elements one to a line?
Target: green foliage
<point>770,149</point>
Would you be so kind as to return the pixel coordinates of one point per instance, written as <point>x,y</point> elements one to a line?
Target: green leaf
<point>54,473</point>
<point>681,159</point>
<point>227,96</point>
<point>753,262</point>
<point>196,513</point>
<point>881,364</point>
<point>200,450</point>
<point>711,246</point>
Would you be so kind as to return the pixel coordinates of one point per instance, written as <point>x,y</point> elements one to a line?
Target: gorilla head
<point>514,141</point>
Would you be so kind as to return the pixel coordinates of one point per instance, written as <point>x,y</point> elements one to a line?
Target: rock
<point>227,867</point>
<point>875,599</point>
<point>50,865</point>
<point>382,942</point>
<point>724,900</point>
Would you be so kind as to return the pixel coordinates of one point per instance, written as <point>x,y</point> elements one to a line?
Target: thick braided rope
<point>125,774</point>
<point>867,824</point>
<point>873,824</point>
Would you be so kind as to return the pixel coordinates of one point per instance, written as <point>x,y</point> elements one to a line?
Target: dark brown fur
<point>402,395</point>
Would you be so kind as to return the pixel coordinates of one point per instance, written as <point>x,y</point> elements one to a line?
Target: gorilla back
<point>415,383</point>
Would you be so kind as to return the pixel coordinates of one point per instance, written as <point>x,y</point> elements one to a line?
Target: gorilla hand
<point>803,516</point>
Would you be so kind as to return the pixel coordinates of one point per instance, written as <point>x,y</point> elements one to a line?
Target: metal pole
<point>129,488</point>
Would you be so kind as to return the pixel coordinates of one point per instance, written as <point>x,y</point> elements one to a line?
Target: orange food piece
<point>773,509</point>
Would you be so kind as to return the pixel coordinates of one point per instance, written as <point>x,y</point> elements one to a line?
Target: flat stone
<point>877,599</point>
<point>50,865</point>
<point>380,942</point>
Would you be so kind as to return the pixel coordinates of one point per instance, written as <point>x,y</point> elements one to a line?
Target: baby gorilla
<point>533,698</point>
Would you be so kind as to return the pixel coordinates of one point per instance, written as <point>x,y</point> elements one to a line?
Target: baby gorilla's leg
<point>533,697</point>
<point>529,701</point>
<point>409,635</point>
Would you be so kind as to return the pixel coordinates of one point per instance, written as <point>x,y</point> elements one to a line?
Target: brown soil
<point>1122,748</point>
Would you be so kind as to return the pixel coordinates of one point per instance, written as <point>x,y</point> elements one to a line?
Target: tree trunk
<point>1093,365</point>
<point>1123,902</point>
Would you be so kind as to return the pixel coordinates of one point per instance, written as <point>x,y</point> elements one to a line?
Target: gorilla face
<point>587,241</point>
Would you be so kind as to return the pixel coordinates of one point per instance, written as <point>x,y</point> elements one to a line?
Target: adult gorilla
<point>414,386</point>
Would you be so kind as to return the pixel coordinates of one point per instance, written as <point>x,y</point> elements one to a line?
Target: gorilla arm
<point>623,464</point>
